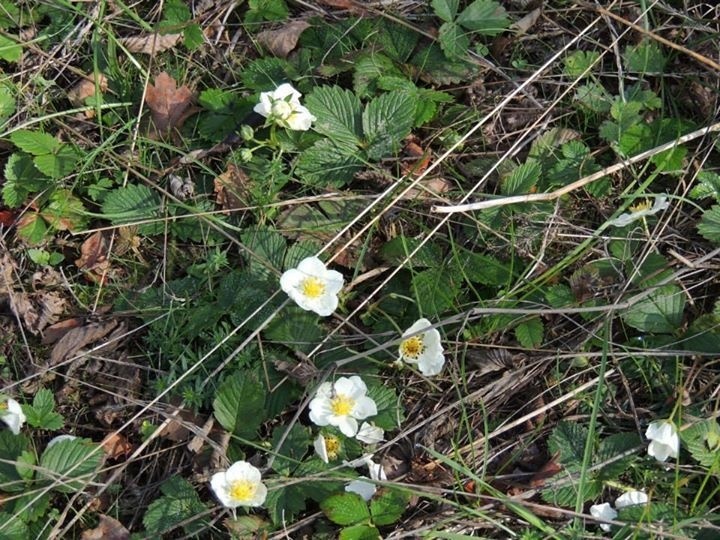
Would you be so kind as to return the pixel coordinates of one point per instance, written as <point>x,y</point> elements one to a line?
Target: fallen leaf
<point>526,23</point>
<point>199,440</point>
<point>182,188</point>
<point>108,529</point>
<point>55,331</point>
<point>282,41</point>
<point>167,102</point>
<point>116,445</point>
<point>37,310</point>
<point>548,470</point>
<point>344,4</point>
<point>7,218</point>
<point>77,338</point>
<point>150,43</point>
<point>301,372</point>
<point>7,267</point>
<point>418,159</point>
<point>93,253</point>
<point>86,88</point>
<point>230,188</point>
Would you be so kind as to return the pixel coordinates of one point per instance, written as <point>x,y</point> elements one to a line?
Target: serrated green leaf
<point>436,290</point>
<point>266,10</point>
<point>453,40</point>
<point>36,143</point>
<point>266,250</point>
<point>396,40</point>
<point>559,296</point>
<point>11,449</point>
<point>179,504</point>
<point>580,62</point>
<point>646,57</point>
<point>13,527</point>
<point>293,450</point>
<point>708,185</point>
<point>360,532</point>
<point>396,251</point>
<point>390,411</point>
<point>660,312</point>
<point>566,496</point>
<point>9,14</point>
<point>239,405</point>
<point>327,165</point>
<point>388,506</point>
<point>611,447</point>
<point>346,509</point>
<point>436,68</point>
<point>65,211</point>
<point>41,413</point>
<point>266,73</point>
<point>70,465</point>
<point>368,69</point>
<point>7,103</point>
<point>522,179</point>
<point>530,333</point>
<point>31,506</point>
<point>59,164</point>
<point>568,439</point>
<point>709,226</point>
<point>593,96</point>
<point>445,9</point>
<point>338,114</point>
<point>386,121</point>
<point>10,50</point>
<point>32,228</point>
<point>481,268</point>
<point>132,203</point>
<point>485,17</point>
<point>298,329</point>
<point>703,441</point>
<point>287,502</point>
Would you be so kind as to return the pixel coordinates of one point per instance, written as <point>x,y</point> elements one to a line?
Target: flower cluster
<point>606,512</point>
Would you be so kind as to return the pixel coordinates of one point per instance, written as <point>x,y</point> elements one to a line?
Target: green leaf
<point>396,250</point>
<point>593,96</point>
<point>436,290</point>
<point>709,226</point>
<point>10,50</point>
<point>266,73</point>
<point>9,14</point>
<point>388,506</point>
<point>285,503</point>
<point>13,528</point>
<point>134,202</point>
<point>175,12</point>
<point>327,165</point>
<point>436,68</point>
<point>568,439</point>
<point>294,448</point>
<point>266,250</point>
<point>485,17</point>
<point>559,296</point>
<point>338,114</point>
<point>387,120</point>
<point>611,447</point>
<point>239,405</point>
<point>522,179</point>
<point>646,57</point>
<point>369,68</point>
<point>59,164</point>
<point>445,9</point>
<point>193,36</point>
<point>360,532</point>
<point>481,268</point>
<point>298,330</point>
<point>32,228</point>
<point>396,40</point>
<point>11,449</point>
<point>36,143</point>
<point>267,10</point>
<point>31,507</point>
<point>660,312</point>
<point>22,178</point>
<point>390,410</point>
<point>41,413</point>
<point>708,185</point>
<point>65,211</point>
<point>7,103</point>
<point>580,62</point>
<point>530,333</point>
<point>703,441</point>
<point>346,509</point>
<point>179,503</point>
<point>453,40</point>
<point>68,460</point>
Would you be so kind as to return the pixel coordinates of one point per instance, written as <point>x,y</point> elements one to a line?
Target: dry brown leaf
<point>108,529</point>
<point>230,188</point>
<point>350,5</point>
<point>116,445</point>
<point>77,338</point>
<point>7,267</point>
<point>282,41</point>
<point>55,331</point>
<point>526,23</point>
<point>548,470</point>
<point>418,161</point>
<point>199,440</point>
<point>93,256</point>
<point>86,88</point>
<point>150,43</point>
<point>167,103</point>
<point>37,310</point>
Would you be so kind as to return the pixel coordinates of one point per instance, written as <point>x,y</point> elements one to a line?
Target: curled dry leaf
<point>7,218</point>
<point>282,41</point>
<point>7,267</point>
<point>55,331</point>
<point>86,88</point>
<point>230,188</point>
<point>182,188</point>
<point>79,337</point>
<point>37,310</point>
<point>93,256</point>
<point>526,23</point>
<point>150,43</point>
<point>108,529</point>
<point>417,159</point>
<point>116,445</point>
<point>168,104</point>
<point>548,470</point>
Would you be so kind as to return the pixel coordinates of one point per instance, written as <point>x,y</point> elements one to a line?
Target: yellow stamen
<point>332,447</point>
<point>341,405</point>
<point>242,490</point>
<point>412,347</point>
<point>641,206</point>
<point>312,287</point>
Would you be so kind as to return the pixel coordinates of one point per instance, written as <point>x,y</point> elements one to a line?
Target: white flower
<point>423,349</point>
<point>282,106</point>
<point>11,413</point>
<point>59,438</point>
<point>640,211</point>
<point>342,404</point>
<point>631,498</point>
<point>327,447</point>
<point>605,512</point>
<point>370,433</point>
<point>312,286</point>
<point>240,485</point>
<point>362,487</point>
<point>664,440</point>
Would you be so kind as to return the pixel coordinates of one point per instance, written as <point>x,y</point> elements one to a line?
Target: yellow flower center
<point>242,490</point>
<point>641,206</point>
<point>341,405</point>
<point>412,347</point>
<point>312,287</point>
<point>3,406</point>
<point>281,109</point>
<point>332,446</point>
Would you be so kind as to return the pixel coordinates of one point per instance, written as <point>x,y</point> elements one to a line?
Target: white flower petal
<point>252,493</point>
<point>664,440</point>
<point>312,286</point>
<point>370,434</point>
<point>60,438</point>
<point>363,488</point>
<point>631,498</point>
<point>427,353</point>
<point>603,511</point>
<point>286,90</point>
<point>346,424</point>
<point>13,415</point>
<point>364,408</point>
<point>321,448</point>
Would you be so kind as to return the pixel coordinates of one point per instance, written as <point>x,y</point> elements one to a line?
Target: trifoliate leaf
<point>445,9</point>
<point>132,203</point>
<point>36,143</point>
<point>338,114</point>
<point>325,164</point>
<point>485,17</point>
<point>660,312</point>
<point>593,96</point>
<point>530,333</point>
<point>59,164</point>
<point>68,460</point>
<point>388,506</point>
<point>709,226</point>
<point>386,121</point>
<point>346,509</point>
<point>239,405</point>
<point>453,40</point>
<point>41,413</point>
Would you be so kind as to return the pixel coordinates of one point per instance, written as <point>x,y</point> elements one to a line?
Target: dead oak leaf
<point>108,529</point>
<point>230,188</point>
<point>282,41</point>
<point>167,103</point>
<point>150,43</point>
